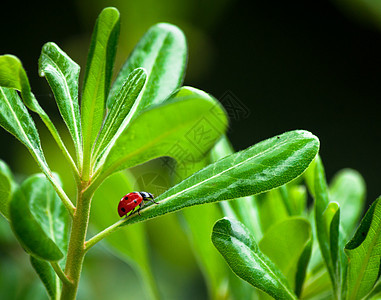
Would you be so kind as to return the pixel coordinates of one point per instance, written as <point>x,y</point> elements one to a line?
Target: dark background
<point>288,65</point>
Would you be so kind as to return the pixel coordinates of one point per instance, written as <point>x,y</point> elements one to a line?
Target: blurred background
<point>274,66</point>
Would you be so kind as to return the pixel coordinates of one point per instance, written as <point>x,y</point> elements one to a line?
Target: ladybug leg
<point>151,199</point>
<point>141,205</point>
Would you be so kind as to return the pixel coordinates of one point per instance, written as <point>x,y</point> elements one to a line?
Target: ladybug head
<point>122,209</point>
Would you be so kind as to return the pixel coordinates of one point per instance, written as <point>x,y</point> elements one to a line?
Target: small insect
<point>133,202</point>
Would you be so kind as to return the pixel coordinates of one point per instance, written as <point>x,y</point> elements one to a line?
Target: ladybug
<point>133,202</point>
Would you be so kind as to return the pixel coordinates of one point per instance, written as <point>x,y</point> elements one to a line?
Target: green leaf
<point>47,275</point>
<point>297,195</point>
<point>302,267</point>
<point>364,254</point>
<point>100,63</point>
<point>348,189</point>
<point>327,226</point>
<point>239,249</point>
<point>196,221</point>
<point>15,118</point>
<point>39,219</point>
<point>62,74</point>
<point>7,187</point>
<point>244,209</point>
<point>13,76</point>
<point>199,220</point>
<point>131,243</point>
<point>126,98</point>
<point>184,127</point>
<point>271,209</point>
<point>264,166</point>
<point>162,52</point>
<point>284,244</point>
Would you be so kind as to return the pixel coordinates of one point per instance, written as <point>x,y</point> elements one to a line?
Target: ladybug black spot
<point>135,201</point>
<point>125,198</point>
<point>123,209</point>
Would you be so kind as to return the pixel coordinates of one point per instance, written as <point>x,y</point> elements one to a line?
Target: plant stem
<point>60,273</point>
<point>101,235</point>
<point>76,250</point>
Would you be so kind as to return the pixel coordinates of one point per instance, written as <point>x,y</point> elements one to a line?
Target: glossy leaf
<point>245,209</point>
<point>39,219</point>
<point>162,52</point>
<point>244,257</point>
<point>348,189</point>
<point>47,276</point>
<point>284,244</point>
<point>127,97</point>
<point>15,118</point>
<point>13,76</point>
<point>364,254</point>
<point>100,63</point>
<point>129,244</point>
<point>7,187</point>
<point>184,127</point>
<point>262,167</point>
<point>62,74</point>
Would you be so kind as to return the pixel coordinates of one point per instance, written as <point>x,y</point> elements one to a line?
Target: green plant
<point>141,116</point>
<point>299,252</point>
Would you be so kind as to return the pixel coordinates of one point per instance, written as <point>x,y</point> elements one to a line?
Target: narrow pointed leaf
<point>62,74</point>
<point>7,187</point>
<point>348,189</point>
<point>185,126</point>
<point>364,254</point>
<point>264,166</point>
<point>47,275</point>
<point>302,265</point>
<point>244,257</point>
<point>162,52</point>
<point>323,222</point>
<point>100,63</point>
<point>125,100</point>
<point>284,244</point>
<point>39,219</point>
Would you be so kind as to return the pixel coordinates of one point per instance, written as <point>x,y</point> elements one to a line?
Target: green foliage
<point>99,68</point>
<point>271,239</point>
<point>7,187</point>
<point>262,167</point>
<point>162,52</point>
<point>156,130</point>
<point>364,254</point>
<point>284,244</point>
<point>62,74</point>
<point>41,225</point>
<point>243,255</point>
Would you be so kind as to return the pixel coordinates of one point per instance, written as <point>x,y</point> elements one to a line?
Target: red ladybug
<point>133,202</point>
